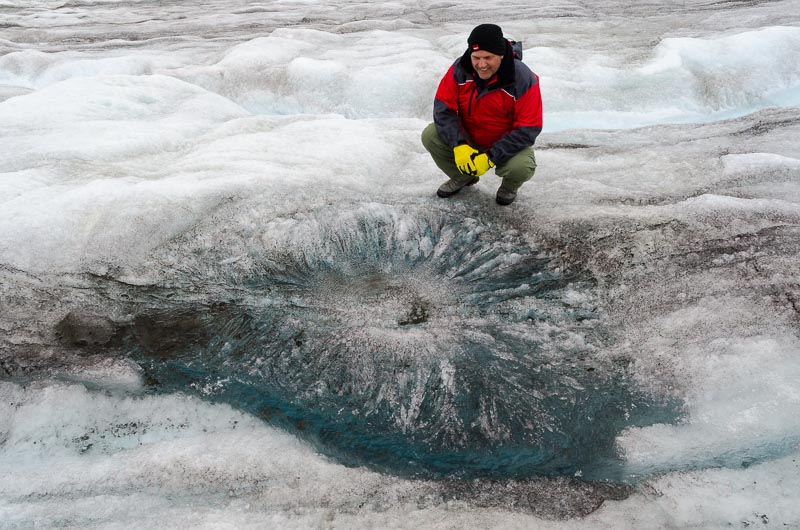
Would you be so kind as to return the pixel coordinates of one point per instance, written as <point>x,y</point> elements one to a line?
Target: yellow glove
<point>464,154</point>
<point>482,163</point>
<point>470,161</point>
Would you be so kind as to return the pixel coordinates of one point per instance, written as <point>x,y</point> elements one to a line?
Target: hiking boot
<point>451,187</point>
<point>504,196</point>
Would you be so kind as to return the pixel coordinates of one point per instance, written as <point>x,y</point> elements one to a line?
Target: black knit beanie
<point>487,37</point>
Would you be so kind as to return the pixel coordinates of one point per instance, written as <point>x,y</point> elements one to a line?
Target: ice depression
<point>412,339</point>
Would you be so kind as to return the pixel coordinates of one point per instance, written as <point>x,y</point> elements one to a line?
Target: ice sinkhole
<point>422,343</point>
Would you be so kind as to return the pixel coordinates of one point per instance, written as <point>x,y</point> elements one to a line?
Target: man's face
<point>485,63</point>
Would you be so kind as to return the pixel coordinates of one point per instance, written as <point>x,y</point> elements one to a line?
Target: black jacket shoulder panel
<point>524,78</point>
<point>461,74</point>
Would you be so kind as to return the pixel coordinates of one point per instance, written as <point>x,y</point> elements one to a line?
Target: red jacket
<point>501,116</point>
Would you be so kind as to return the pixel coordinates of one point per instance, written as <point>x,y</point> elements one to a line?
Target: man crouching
<point>487,113</point>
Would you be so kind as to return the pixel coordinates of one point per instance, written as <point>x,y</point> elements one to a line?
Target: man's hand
<point>470,161</point>
<point>482,163</point>
<point>464,154</point>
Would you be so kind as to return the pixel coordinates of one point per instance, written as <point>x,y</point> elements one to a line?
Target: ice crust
<point>141,143</point>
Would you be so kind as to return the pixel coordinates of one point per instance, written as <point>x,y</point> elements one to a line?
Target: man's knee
<point>527,161</point>
<point>430,136</point>
<point>519,169</point>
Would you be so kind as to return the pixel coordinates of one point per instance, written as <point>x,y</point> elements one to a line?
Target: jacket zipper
<point>471,96</point>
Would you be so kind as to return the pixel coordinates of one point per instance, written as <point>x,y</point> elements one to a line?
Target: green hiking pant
<point>514,172</point>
